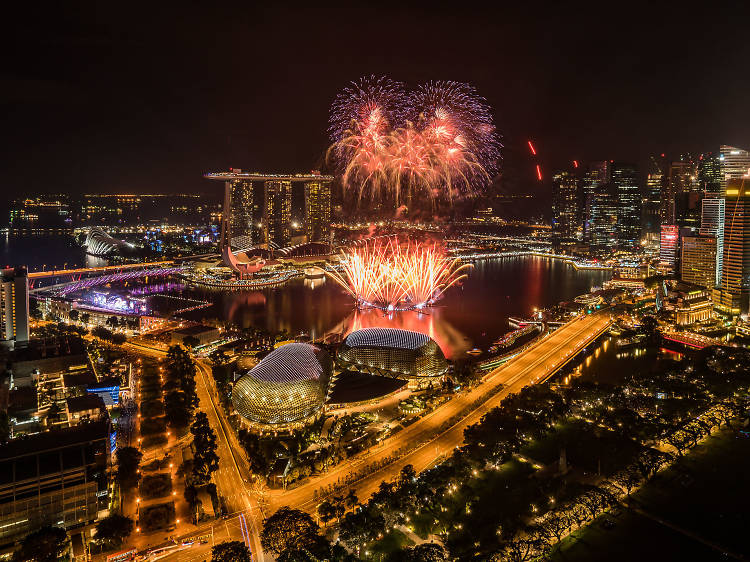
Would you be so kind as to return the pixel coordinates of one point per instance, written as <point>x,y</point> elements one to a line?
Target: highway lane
<point>534,365</point>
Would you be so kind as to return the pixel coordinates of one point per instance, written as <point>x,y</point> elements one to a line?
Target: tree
<point>73,315</point>
<point>519,550</point>
<point>112,321</point>
<point>114,529</point>
<point>628,478</point>
<point>85,317</point>
<point>288,529</point>
<point>351,500</point>
<point>177,409</point>
<point>48,544</point>
<point>425,552</point>
<point>326,512</point>
<point>230,551</point>
<point>128,460</point>
<point>649,461</point>
<point>205,460</point>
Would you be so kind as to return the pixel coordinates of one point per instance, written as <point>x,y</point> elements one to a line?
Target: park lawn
<point>706,492</point>
<point>497,500</point>
<point>392,542</point>
<point>585,447</point>
<point>634,537</point>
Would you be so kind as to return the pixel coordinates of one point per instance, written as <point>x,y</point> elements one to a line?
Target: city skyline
<point>548,84</point>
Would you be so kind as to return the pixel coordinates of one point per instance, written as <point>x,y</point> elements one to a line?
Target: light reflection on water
<point>472,314</point>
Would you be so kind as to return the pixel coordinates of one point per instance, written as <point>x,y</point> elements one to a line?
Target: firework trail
<point>439,139</point>
<point>385,274</point>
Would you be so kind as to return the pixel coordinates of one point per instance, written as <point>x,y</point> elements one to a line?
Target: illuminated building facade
<point>277,213</point>
<point>58,477</point>
<point>698,260</point>
<point>287,389</point>
<point>244,215</point>
<point>709,174</point>
<point>651,210</point>
<point>14,307</point>
<point>596,176</point>
<point>565,205</point>
<point>318,211</point>
<point>603,221</point>
<point>693,305</point>
<point>624,178</point>
<point>668,244</point>
<point>396,353</point>
<point>272,207</point>
<point>731,297</point>
<point>735,164</point>
<point>712,224</point>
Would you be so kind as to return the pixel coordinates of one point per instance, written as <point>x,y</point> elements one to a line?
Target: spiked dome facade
<point>396,353</point>
<point>287,389</point>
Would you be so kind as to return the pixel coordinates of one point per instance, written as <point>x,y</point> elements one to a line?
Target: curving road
<point>536,364</point>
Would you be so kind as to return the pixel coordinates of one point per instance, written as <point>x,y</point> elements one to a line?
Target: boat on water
<point>475,351</point>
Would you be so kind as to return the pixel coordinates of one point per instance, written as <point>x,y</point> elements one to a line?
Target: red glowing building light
<point>531,147</point>
<point>538,172</point>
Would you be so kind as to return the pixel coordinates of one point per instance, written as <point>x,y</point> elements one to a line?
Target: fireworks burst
<point>390,276</point>
<point>439,139</point>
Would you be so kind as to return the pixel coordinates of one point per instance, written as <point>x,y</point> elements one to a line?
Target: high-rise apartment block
<point>318,211</point>
<point>14,307</point>
<point>698,260</point>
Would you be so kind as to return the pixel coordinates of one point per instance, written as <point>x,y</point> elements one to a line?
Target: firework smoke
<point>439,139</point>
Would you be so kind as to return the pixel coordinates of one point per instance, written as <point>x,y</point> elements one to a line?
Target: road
<point>231,478</point>
<point>536,364</point>
<point>420,444</point>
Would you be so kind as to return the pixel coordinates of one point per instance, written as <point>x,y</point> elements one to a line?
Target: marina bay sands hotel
<point>258,211</point>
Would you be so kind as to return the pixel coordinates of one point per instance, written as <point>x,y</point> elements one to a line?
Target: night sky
<point>145,98</point>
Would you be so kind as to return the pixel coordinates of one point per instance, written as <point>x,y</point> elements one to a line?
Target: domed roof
<point>293,362</point>
<point>386,337</point>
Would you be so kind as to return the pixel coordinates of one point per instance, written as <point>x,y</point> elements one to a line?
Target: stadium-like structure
<point>287,389</point>
<point>99,243</point>
<point>394,353</point>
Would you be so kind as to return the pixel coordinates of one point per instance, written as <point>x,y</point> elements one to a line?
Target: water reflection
<point>472,314</point>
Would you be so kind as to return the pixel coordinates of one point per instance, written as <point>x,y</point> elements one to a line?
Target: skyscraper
<point>709,174</point>
<point>597,174</point>
<point>242,218</point>
<point>277,213</point>
<point>624,178</point>
<point>735,163</point>
<point>698,260</point>
<point>712,224</point>
<point>318,211</point>
<point>651,210</point>
<point>668,243</point>
<point>14,306</point>
<point>564,205</point>
<point>603,223</point>
<point>732,295</point>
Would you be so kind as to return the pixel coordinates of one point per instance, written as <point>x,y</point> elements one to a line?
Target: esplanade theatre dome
<point>392,352</point>
<point>288,387</point>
